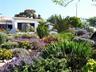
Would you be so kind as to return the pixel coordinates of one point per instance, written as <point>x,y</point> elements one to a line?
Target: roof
<point>24,18</point>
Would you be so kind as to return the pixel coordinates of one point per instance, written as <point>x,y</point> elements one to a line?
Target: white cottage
<point>17,23</point>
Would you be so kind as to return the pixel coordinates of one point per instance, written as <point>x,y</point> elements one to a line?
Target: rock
<point>93,37</point>
<point>82,33</point>
<point>79,39</point>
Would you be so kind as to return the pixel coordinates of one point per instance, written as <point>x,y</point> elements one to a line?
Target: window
<point>32,24</point>
<point>20,26</point>
<point>10,27</point>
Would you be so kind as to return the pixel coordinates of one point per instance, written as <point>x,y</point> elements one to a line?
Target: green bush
<point>90,66</point>
<point>67,47</point>
<point>65,35</point>
<point>9,45</point>
<point>76,53</point>
<point>26,35</point>
<point>50,39</point>
<point>5,54</point>
<point>29,36</point>
<point>48,65</point>
<point>3,38</point>
<point>25,44</point>
<point>42,30</point>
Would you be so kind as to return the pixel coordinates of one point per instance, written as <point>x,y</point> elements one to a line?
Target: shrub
<point>48,65</point>
<point>42,30</point>
<point>90,66</point>
<point>26,35</point>
<point>9,45</point>
<point>29,36</point>
<point>17,35</point>
<point>76,53</point>
<point>5,54</point>
<point>25,44</point>
<point>65,35</point>
<point>38,45</point>
<point>3,38</point>
<point>50,38</point>
<point>20,52</point>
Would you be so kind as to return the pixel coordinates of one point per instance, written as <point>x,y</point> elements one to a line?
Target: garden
<point>71,49</point>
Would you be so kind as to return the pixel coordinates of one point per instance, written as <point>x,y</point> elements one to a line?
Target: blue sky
<point>47,8</point>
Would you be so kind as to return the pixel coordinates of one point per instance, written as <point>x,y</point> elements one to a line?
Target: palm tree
<point>58,23</point>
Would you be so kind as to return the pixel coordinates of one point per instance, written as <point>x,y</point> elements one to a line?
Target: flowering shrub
<point>5,54</point>
<point>24,44</point>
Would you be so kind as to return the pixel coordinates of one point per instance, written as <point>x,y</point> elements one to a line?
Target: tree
<point>30,13</point>
<point>62,2</point>
<point>74,21</point>
<point>62,24</point>
<point>58,23</point>
<point>66,2</point>
<point>92,21</point>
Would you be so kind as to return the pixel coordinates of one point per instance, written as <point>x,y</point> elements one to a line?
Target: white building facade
<point>14,24</point>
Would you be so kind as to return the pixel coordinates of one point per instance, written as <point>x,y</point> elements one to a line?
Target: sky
<point>46,8</point>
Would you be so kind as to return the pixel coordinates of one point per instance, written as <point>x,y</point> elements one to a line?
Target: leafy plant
<point>65,35</point>
<point>9,45</point>
<point>76,53</point>
<point>3,38</point>
<point>50,38</point>
<point>5,54</point>
<point>48,65</point>
<point>90,66</point>
<point>42,30</point>
<point>25,44</point>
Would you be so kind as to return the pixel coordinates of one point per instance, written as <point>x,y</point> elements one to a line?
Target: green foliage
<point>74,21</point>
<point>28,13</point>
<point>25,44</point>
<point>63,24</point>
<point>50,65</point>
<point>25,35</point>
<point>50,39</point>
<point>42,30</point>
<point>92,21</point>
<point>22,68</point>
<point>76,53</point>
<point>58,23</point>
<point>65,35</point>
<point>3,38</point>
<point>5,54</point>
<point>62,2</point>
<point>9,45</point>
<point>90,66</point>
<point>61,49</point>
